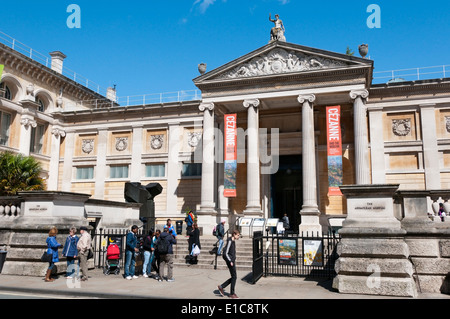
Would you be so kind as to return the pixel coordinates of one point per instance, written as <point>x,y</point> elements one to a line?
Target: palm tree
<point>19,173</point>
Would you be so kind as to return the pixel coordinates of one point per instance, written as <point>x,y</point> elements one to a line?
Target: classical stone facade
<point>392,133</point>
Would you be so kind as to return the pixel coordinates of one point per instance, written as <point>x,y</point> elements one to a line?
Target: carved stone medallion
<point>194,139</point>
<point>401,127</point>
<point>447,123</point>
<point>157,142</point>
<point>121,144</point>
<point>88,146</point>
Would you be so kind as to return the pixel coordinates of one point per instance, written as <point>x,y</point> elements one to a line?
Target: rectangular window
<point>155,170</point>
<point>85,173</point>
<point>5,124</point>
<point>118,171</point>
<point>192,170</point>
<point>37,139</point>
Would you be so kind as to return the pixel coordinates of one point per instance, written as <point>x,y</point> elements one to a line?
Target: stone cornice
<point>425,87</point>
<point>22,64</point>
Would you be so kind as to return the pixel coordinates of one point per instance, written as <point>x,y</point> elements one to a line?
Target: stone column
<point>310,211</point>
<point>100,169</point>
<point>362,171</point>
<point>173,168</point>
<point>430,147</point>
<point>253,174</point>
<point>57,133</point>
<point>68,162</point>
<point>222,200</point>
<point>208,190</point>
<point>27,124</point>
<point>136,155</point>
<point>377,145</point>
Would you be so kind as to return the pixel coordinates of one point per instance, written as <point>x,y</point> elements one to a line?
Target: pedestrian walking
<point>52,249</point>
<point>70,251</point>
<point>148,254</point>
<point>229,255</point>
<point>164,245</point>
<point>130,253</point>
<point>194,241</point>
<point>220,233</point>
<point>83,246</point>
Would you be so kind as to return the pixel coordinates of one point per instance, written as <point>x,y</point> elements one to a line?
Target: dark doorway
<point>287,190</point>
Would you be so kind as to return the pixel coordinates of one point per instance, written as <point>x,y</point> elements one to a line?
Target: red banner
<point>334,142</point>
<point>230,164</point>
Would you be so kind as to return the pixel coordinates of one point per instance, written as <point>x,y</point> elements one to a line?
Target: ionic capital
<point>251,102</point>
<point>58,131</point>
<point>206,106</point>
<point>28,122</point>
<point>359,93</point>
<point>311,98</point>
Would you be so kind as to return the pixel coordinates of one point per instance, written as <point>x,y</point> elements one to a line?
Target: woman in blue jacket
<point>52,248</point>
<point>70,251</point>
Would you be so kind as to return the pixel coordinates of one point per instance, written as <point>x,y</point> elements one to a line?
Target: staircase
<point>208,259</point>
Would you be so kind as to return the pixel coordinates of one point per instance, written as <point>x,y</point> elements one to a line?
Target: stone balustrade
<point>437,197</point>
<point>10,207</point>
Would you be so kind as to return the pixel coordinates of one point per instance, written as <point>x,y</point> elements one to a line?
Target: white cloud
<point>203,4</point>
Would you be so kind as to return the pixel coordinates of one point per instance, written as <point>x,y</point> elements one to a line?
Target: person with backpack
<point>220,233</point>
<point>229,255</point>
<point>148,254</point>
<point>164,246</point>
<point>189,222</point>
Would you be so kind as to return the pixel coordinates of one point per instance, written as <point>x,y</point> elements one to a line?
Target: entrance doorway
<point>287,191</point>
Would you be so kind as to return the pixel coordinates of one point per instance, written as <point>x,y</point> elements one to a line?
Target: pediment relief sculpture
<point>279,61</point>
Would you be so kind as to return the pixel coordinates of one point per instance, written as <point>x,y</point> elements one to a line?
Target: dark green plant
<point>19,173</point>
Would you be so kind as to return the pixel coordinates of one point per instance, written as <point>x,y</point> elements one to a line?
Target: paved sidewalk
<point>190,283</point>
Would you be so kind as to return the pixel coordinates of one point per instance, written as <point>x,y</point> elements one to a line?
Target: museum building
<point>393,133</point>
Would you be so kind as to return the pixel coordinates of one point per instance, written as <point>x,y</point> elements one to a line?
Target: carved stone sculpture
<point>87,146</point>
<point>121,144</point>
<point>157,142</point>
<point>401,127</point>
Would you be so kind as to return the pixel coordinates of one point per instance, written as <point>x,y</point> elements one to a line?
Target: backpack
<point>162,246</point>
<point>214,232</point>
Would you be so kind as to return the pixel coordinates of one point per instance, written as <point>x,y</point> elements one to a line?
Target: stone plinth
<point>373,255</point>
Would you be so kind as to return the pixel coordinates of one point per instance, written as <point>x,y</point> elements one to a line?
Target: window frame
<point>7,138</point>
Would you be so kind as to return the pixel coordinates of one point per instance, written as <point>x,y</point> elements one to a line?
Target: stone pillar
<point>57,133</point>
<point>222,200</point>
<point>377,145</point>
<point>253,174</point>
<point>68,162</point>
<point>310,210</point>
<point>27,124</point>
<point>373,255</point>
<point>208,205</point>
<point>430,148</point>
<point>136,155</point>
<point>100,169</point>
<point>362,170</point>
<point>173,168</point>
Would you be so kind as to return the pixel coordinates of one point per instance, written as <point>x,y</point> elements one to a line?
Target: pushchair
<point>112,260</point>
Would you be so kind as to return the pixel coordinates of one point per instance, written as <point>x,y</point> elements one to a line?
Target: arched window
<point>41,107</point>
<point>8,94</point>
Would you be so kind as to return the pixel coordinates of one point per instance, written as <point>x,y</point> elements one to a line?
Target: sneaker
<point>145,275</point>
<point>135,277</point>
<point>171,280</point>
<point>128,278</point>
<point>233,296</point>
<point>221,291</point>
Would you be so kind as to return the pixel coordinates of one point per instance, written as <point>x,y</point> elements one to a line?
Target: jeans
<point>233,278</point>
<point>219,250</point>
<point>148,258</point>
<point>70,266</point>
<point>130,263</point>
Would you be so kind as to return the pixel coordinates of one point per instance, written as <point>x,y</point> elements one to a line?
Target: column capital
<point>206,106</point>
<point>27,121</point>
<point>311,98</point>
<point>58,132</point>
<point>251,102</point>
<point>363,93</point>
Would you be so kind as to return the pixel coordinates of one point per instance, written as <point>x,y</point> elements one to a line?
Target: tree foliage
<point>19,173</point>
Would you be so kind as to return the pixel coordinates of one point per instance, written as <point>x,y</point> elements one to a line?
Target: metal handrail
<point>421,73</point>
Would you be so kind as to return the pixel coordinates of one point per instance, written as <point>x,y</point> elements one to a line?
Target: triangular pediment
<point>281,58</point>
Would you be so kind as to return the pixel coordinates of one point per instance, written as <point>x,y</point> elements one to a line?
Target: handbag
<point>46,257</point>
<point>90,254</point>
<point>195,250</point>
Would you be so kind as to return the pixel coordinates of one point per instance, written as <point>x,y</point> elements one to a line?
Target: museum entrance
<point>287,191</point>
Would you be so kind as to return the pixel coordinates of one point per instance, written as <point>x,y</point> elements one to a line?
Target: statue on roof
<point>277,32</point>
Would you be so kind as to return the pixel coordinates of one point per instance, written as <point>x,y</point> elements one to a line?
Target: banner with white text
<point>230,164</point>
<point>334,147</point>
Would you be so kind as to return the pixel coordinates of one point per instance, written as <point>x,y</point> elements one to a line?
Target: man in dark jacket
<point>229,255</point>
<point>166,239</point>
<point>130,253</point>
<point>220,232</point>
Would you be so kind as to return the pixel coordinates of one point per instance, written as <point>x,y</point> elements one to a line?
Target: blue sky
<point>155,46</point>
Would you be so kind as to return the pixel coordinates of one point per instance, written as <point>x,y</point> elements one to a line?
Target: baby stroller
<point>112,260</point>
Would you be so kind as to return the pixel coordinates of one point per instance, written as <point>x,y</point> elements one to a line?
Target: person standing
<point>194,240</point>
<point>220,232</point>
<point>52,249</point>
<point>285,221</point>
<point>171,228</point>
<point>165,247</point>
<point>148,254</point>
<point>130,253</point>
<point>83,246</point>
<point>155,258</point>
<point>190,218</point>
<point>229,255</point>
<point>70,251</point>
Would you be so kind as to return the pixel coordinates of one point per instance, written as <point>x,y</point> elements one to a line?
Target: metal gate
<point>304,255</point>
